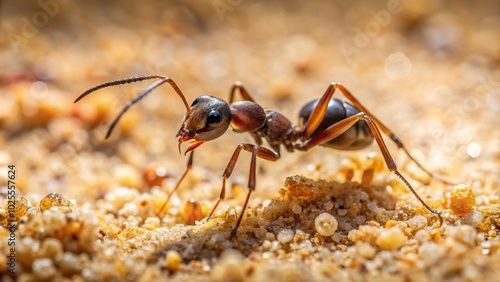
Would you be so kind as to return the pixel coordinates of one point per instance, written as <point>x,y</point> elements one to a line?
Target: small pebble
<point>69,263</point>
<point>270,236</point>
<point>422,236</point>
<point>391,239</point>
<point>296,208</point>
<point>342,212</point>
<point>366,250</point>
<point>372,206</point>
<point>285,236</point>
<point>417,222</point>
<point>173,260</point>
<point>326,224</point>
<point>474,218</point>
<point>266,245</point>
<point>391,223</point>
<point>462,200</point>
<point>328,206</point>
<point>151,223</point>
<point>474,150</point>
<point>154,174</point>
<point>360,219</point>
<point>43,269</point>
<point>53,200</point>
<point>337,237</point>
<point>192,212</point>
<point>363,196</point>
<point>492,233</point>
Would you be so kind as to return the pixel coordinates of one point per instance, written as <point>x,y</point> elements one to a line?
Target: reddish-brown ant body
<point>326,121</point>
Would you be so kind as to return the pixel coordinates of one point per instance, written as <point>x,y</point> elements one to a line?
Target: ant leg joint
<point>300,147</point>
<point>396,140</point>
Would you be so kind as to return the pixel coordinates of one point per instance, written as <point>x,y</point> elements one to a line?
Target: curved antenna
<point>117,82</point>
<point>141,95</point>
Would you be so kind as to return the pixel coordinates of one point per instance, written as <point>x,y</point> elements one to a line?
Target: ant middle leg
<point>340,127</point>
<point>319,112</point>
<point>257,151</point>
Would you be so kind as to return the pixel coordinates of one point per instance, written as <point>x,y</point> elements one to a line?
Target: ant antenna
<point>141,95</point>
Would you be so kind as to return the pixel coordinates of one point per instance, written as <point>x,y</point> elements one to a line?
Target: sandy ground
<point>86,206</point>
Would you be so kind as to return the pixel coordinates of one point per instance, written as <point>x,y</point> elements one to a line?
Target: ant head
<point>209,117</point>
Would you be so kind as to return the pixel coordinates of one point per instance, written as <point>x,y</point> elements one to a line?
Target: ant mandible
<point>327,121</point>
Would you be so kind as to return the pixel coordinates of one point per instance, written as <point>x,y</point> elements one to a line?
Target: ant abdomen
<point>357,137</point>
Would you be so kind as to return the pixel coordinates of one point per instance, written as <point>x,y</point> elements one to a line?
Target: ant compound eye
<point>213,117</point>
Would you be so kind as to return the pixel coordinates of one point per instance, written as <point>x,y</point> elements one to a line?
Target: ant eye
<point>213,117</point>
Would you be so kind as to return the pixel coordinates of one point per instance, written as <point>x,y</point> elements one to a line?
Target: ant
<point>327,121</point>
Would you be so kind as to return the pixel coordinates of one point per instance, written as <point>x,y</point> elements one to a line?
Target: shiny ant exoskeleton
<point>326,121</point>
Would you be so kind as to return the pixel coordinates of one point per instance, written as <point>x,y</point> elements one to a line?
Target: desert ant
<point>327,121</point>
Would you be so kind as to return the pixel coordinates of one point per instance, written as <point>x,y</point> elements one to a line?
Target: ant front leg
<point>257,151</point>
<point>188,168</point>
<point>319,112</point>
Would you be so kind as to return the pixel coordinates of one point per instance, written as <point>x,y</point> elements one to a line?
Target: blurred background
<point>430,70</point>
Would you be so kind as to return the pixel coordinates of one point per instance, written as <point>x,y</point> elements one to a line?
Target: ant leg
<point>188,168</point>
<point>389,133</point>
<point>258,151</point>
<point>319,112</point>
<point>262,152</point>
<point>244,93</point>
<point>340,127</point>
<point>251,188</point>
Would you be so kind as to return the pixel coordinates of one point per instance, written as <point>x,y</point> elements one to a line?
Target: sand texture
<point>86,208</point>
